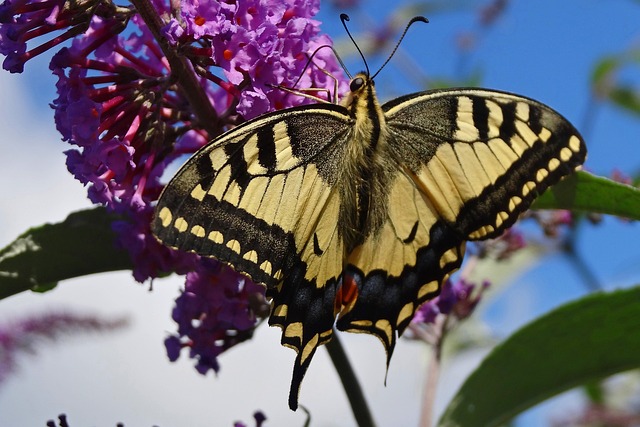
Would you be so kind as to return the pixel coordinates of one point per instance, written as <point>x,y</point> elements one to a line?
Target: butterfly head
<point>361,89</point>
<point>359,81</point>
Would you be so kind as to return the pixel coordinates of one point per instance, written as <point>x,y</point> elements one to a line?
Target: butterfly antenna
<point>344,18</point>
<point>413,20</point>
<point>310,60</point>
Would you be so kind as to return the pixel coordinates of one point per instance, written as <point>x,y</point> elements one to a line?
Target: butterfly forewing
<point>481,156</point>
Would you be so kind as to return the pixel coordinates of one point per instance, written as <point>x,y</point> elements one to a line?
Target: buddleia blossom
<point>259,45</point>
<point>457,298</point>
<point>25,22</point>
<point>116,105</point>
<point>214,312</point>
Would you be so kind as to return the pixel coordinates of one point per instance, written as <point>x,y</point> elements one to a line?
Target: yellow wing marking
<point>385,327</point>
<point>527,134</point>
<point>522,111</point>
<point>466,130</point>
<point>198,193</point>
<point>285,215</point>
<point>218,159</point>
<point>544,134</point>
<point>181,224</point>
<point>428,288</point>
<point>234,245</point>
<point>281,310</point>
<point>473,171</point>
<point>271,199</point>
<point>165,216</point>
<point>309,348</point>
<point>254,193</point>
<point>565,154</point>
<point>405,312</point>
<point>495,118</point>
<point>489,162</point>
<point>574,144</point>
<point>216,237</point>
<point>266,267</point>
<point>251,256</point>
<point>198,231</point>
<point>553,164</point>
<point>220,182</point>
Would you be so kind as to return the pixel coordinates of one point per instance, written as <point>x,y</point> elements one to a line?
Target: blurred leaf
<point>603,70</point>
<point>583,191</point>
<point>605,76</point>
<point>625,97</point>
<point>595,392</point>
<point>580,342</point>
<point>81,244</point>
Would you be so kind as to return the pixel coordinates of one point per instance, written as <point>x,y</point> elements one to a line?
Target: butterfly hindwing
<point>402,266</point>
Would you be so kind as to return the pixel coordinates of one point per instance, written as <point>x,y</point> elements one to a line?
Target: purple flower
<point>214,312</point>
<point>23,21</point>
<point>456,298</point>
<point>259,44</point>
<point>259,418</point>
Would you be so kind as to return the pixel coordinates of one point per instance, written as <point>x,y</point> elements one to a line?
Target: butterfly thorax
<point>366,171</point>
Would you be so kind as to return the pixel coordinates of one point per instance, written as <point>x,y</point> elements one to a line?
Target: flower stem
<point>430,387</point>
<point>433,375</point>
<point>350,383</point>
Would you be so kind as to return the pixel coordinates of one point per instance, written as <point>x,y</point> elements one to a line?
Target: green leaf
<point>606,84</point>
<point>585,192</point>
<point>603,70</point>
<point>625,97</point>
<point>578,343</point>
<point>81,244</point>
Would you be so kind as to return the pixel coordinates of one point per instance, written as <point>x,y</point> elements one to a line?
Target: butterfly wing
<point>469,162</point>
<point>261,198</point>
<point>488,156</point>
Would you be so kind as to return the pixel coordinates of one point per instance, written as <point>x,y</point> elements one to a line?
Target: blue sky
<point>544,49</point>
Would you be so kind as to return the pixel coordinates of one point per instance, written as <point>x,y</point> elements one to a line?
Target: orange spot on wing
<point>346,295</point>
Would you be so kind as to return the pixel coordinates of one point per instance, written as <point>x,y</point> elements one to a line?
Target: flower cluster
<point>120,111</point>
<point>456,299</point>
<point>125,104</point>
<point>214,313</point>
<point>260,45</point>
<point>24,21</point>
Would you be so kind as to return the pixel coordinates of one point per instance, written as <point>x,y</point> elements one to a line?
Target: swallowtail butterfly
<point>359,211</point>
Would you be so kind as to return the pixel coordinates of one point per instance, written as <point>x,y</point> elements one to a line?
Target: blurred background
<point>582,58</point>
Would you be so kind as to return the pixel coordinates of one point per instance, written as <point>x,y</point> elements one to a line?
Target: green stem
<point>350,383</point>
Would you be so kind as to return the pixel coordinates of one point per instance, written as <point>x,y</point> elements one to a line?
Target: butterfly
<point>359,211</point>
